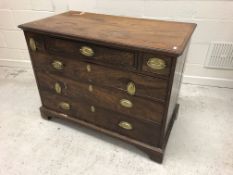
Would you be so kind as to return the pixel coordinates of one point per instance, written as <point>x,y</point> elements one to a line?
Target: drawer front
<point>90,52</point>
<point>127,126</point>
<point>156,64</point>
<point>143,86</point>
<point>107,98</point>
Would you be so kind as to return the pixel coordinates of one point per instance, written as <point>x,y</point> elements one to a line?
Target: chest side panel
<point>177,80</point>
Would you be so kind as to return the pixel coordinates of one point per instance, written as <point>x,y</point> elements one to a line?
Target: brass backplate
<point>131,88</point>
<point>58,88</point>
<point>86,51</point>
<point>92,108</point>
<point>125,125</point>
<point>57,65</point>
<point>90,88</point>
<point>88,68</point>
<point>156,63</point>
<point>32,44</point>
<point>126,103</point>
<point>64,105</point>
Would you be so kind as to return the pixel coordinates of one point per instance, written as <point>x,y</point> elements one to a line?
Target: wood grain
<point>154,35</point>
<point>142,131</point>
<point>105,55</point>
<point>103,97</point>
<point>147,87</point>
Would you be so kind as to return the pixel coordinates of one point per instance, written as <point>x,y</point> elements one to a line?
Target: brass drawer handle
<point>125,125</point>
<point>156,63</point>
<point>57,65</point>
<point>86,51</point>
<point>32,44</point>
<point>57,88</point>
<point>64,105</point>
<point>126,103</point>
<point>131,88</point>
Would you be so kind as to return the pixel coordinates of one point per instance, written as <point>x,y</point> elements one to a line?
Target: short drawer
<point>128,82</point>
<point>107,98</point>
<point>90,52</point>
<point>154,64</point>
<point>124,125</point>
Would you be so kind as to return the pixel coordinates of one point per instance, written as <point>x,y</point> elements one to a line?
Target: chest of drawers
<point>120,76</point>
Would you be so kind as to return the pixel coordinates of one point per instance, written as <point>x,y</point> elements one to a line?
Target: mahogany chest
<point>120,76</point>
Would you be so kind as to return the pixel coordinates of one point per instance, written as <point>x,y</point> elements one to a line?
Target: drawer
<point>90,52</point>
<point>156,64</point>
<point>126,126</point>
<point>143,86</point>
<point>107,98</point>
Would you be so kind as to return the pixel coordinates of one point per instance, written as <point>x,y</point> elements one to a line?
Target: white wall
<point>214,20</point>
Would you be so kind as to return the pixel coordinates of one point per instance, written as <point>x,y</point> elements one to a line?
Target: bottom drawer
<point>124,125</point>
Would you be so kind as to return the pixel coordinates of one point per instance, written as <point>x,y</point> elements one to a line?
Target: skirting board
<point>208,81</point>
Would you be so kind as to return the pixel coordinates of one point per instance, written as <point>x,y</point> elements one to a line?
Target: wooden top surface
<point>144,34</point>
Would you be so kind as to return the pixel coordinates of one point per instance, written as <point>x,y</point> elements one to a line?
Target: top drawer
<point>90,52</point>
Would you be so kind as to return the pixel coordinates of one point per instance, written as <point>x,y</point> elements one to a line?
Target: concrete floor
<point>201,141</point>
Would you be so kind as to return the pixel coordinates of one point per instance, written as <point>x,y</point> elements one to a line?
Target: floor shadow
<point>99,135</point>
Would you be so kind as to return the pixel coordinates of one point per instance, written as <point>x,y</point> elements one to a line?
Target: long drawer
<point>107,98</point>
<point>131,83</point>
<point>91,52</point>
<point>127,126</point>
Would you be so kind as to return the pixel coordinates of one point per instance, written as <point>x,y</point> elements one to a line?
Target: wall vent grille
<point>220,55</point>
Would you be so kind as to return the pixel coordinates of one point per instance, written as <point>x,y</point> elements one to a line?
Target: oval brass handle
<point>126,103</point>
<point>86,51</point>
<point>131,88</point>
<point>156,63</point>
<point>64,105</point>
<point>32,44</point>
<point>57,88</point>
<point>57,65</point>
<point>125,125</point>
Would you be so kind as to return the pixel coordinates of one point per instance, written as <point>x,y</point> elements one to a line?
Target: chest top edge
<point>144,34</point>
<point>103,43</point>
